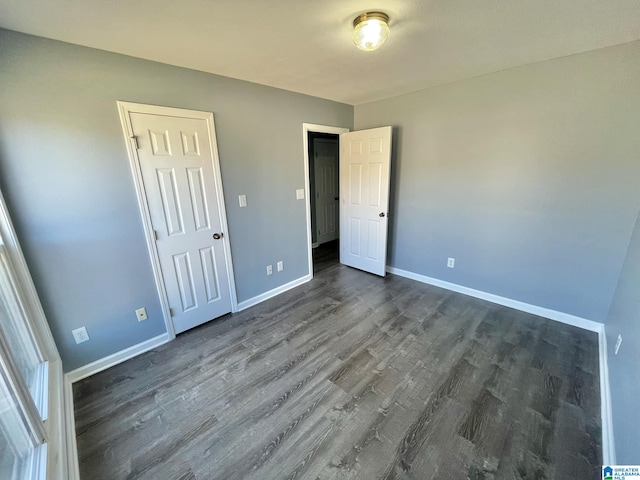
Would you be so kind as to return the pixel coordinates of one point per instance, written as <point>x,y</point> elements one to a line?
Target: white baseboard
<point>507,302</point>
<point>272,293</point>
<point>116,358</point>
<point>121,356</point>
<point>608,445</point>
<point>70,427</point>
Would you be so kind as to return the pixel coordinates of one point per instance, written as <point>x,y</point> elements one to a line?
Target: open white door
<point>365,159</point>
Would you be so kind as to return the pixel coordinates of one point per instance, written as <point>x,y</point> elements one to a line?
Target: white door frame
<point>125,108</point>
<point>306,128</point>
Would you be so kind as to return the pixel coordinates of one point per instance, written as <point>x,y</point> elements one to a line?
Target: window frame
<point>54,459</point>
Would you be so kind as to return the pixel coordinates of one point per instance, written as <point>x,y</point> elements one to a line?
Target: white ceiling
<point>305,45</point>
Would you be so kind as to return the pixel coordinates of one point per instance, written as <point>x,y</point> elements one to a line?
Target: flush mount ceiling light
<point>370,30</point>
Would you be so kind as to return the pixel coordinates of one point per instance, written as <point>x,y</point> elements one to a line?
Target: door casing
<point>125,108</point>
<point>306,128</point>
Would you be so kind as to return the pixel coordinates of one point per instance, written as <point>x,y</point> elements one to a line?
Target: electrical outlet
<point>451,262</point>
<point>618,343</point>
<point>300,194</point>
<point>242,199</point>
<point>269,269</point>
<point>80,335</point>
<point>280,265</point>
<point>141,313</point>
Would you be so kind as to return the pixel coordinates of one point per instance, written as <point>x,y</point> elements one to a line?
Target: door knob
<point>218,236</point>
<point>381,214</point>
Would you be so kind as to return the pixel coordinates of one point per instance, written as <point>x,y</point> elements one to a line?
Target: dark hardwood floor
<point>351,376</point>
<point>325,255</point>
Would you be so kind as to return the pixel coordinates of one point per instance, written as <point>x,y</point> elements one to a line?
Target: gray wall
<point>528,177</point>
<point>624,318</point>
<point>66,178</point>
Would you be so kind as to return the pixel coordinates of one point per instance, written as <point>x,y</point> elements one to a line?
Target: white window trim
<point>57,455</point>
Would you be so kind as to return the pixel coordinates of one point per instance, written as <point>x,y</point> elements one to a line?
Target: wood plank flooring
<point>351,376</point>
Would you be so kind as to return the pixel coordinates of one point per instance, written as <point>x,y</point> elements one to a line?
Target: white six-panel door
<point>365,158</point>
<point>176,158</point>
<point>326,187</point>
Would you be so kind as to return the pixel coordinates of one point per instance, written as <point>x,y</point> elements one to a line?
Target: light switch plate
<point>300,194</point>
<point>242,199</point>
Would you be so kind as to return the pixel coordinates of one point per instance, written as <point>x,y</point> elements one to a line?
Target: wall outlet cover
<point>141,314</point>
<point>269,269</point>
<point>80,335</point>
<point>300,194</point>
<point>451,262</point>
<point>242,200</point>
<point>280,265</point>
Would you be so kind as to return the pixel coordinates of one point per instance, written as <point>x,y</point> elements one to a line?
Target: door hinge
<point>171,312</point>
<point>135,141</point>
<point>155,235</point>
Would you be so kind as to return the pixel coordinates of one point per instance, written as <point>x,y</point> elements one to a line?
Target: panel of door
<point>365,162</point>
<point>326,186</point>
<point>176,160</point>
